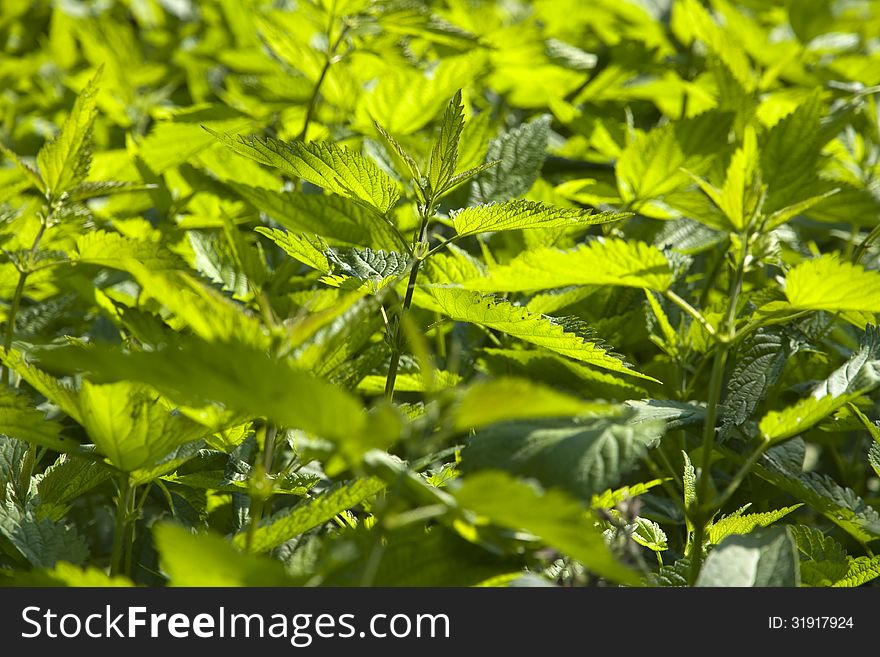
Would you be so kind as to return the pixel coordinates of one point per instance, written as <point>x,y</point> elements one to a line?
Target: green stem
<point>119,533</point>
<point>704,511</point>
<point>17,296</point>
<point>30,459</point>
<point>740,475</point>
<point>438,336</point>
<point>313,100</point>
<point>256,514</point>
<point>713,273</point>
<point>865,243</point>
<point>690,310</point>
<point>263,487</point>
<point>769,320</point>
<point>397,340</point>
<point>443,244</point>
<point>10,322</point>
<point>269,447</point>
<point>128,542</point>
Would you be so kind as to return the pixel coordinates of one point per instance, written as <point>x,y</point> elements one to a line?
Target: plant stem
<point>10,322</point>
<point>768,320</point>
<point>16,300</point>
<point>269,447</point>
<point>313,100</point>
<point>30,459</point>
<point>870,238</point>
<point>699,516</point>
<point>119,533</point>
<point>690,310</point>
<point>740,475</point>
<point>397,341</point>
<point>263,489</point>
<point>704,511</point>
<point>128,542</point>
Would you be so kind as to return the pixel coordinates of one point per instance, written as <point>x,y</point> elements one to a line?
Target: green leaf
<point>113,250</point>
<point>415,556</point>
<point>582,457</point>
<point>859,375</point>
<point>764,557</point>
<point>782,466</point>
<point>454,265</point>
<point>405,98</point>
<point>308,514</point>
<point>830,283</point>
<point>19,419</point>
<point>335,218</point>
<point>737,523</point>
<point>689,483</point>
<point>56,392</point>
<point>310,250</point>
<point>374,384</point>
<point>605,262</point>
<point>204,310</point>
<point>169,463</point>
<point>177,141</point>
<point>464,176</point>
<point>872,428</point>
<point>41,542</point>
<point>675,575</point>
<point>66,574</point>
<point>790,154</point>
<point>759,364</point>
<point>741,192</point>
<point>814,545</point>
<point>658,314</point>
<point>559,520</point>
<point>498,400</point>
<point>377,268</point>
<point>102,188</point>
<point>214,259</point>
<point>334,345</point>
<point>324,164</point>
<point>673,414</point>
<point>12,455</point>
<point>68,478</point>
<point>444,153</point>
<point>474,142</point>
<point>64,162</point>
<point>25,168</point>
<point>208,560</point>
<point>649,534</point>
<point>861,570</point>
<point>464,306</point>
<point>522,152</point>
<point>411,165</point>
<point>720,41</point>
<point>655,164</point>
<point>781,216</point>
<point>777,426</point>
<point>611,498</point>
<point>405,482</point>
<point>520,214</point>
<point>195,372</point>
<point>823,559</point>
<point>130,425</point>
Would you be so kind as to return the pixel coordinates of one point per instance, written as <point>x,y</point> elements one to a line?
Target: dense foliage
<point>338,292</point>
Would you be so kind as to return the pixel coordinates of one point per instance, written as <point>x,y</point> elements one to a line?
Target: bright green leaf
<point>764,557</point>
<point>552,515</point>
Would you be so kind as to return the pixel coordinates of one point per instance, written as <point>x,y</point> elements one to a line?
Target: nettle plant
<point>377,355</point>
